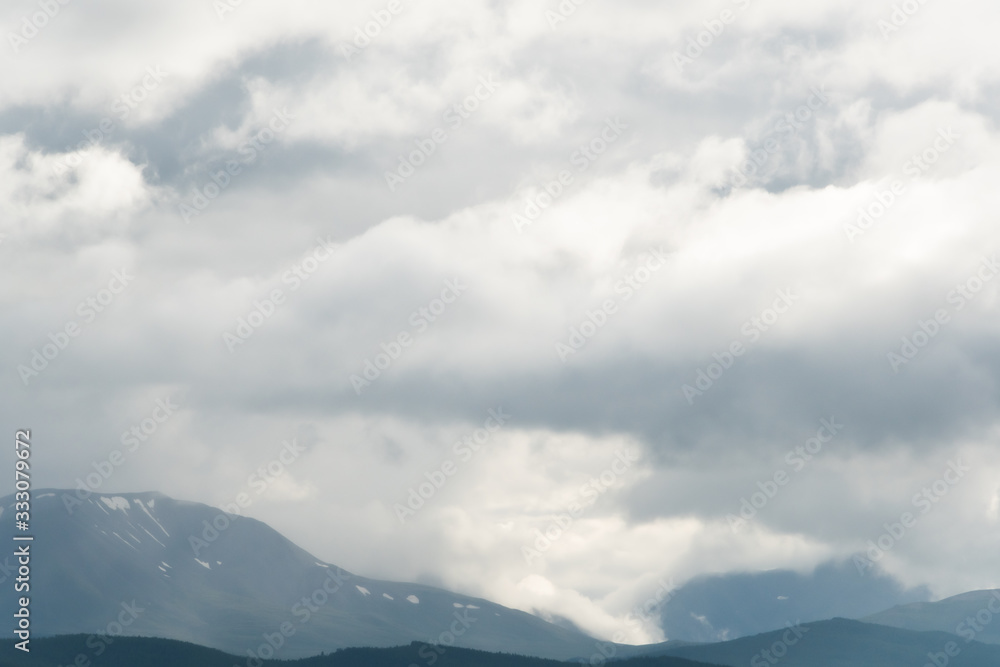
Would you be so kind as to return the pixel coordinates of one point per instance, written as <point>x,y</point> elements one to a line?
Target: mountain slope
<point>719,607</point>
<point>180,570</point>
<point>973,615</point>
<point>843,643</point>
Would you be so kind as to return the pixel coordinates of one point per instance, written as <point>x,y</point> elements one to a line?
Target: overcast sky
<point>663,242</point>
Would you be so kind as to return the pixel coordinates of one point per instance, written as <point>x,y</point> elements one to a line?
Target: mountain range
<point>230,582</point>
<point>146,565</point>
<point>974,615</point>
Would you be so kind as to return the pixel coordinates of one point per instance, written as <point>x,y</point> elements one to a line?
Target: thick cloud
<point>584,241</point>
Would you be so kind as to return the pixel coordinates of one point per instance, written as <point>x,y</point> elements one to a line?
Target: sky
<point>542,302</point>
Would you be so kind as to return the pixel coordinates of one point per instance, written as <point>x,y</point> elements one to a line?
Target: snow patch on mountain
<point>116,503</point>
<point>154,537</point>
<point>130,546</point>
<point>139,503</point>
<point>86,571</point>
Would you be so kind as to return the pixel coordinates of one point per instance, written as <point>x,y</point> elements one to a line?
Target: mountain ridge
<point>156,652</point>
<point>230,582</point>
<point>842,642</point>
<point>146,564</point>
<point>970,615</point>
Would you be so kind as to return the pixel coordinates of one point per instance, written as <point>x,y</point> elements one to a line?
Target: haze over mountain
<point>187,571</point>
<point>972,615</point>
<point>834,643</point>
<point>146,564</point>
<point>720,607</point>
<point>844,643</point>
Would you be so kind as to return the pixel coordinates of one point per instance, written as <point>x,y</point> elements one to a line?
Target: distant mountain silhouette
<point>715,608</point>
<point>143,564</point>
<point>973,615</point>
<point>844,643</point>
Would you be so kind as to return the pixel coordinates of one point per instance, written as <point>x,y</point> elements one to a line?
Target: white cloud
<point>663,184</point>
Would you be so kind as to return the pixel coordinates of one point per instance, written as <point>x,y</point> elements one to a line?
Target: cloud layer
<point>680,234</point>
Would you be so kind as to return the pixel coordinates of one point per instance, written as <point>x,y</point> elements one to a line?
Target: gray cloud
<point>665,183</point>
